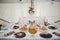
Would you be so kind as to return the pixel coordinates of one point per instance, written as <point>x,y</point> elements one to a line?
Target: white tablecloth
<point>28,36</point>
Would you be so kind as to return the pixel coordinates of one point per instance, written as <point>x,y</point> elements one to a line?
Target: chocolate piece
<point>57,34</point>
<point>45,35</point>
<point>16,27</point>
<point>0,26</point>
<point>20,35</point>
<point>52,27</point>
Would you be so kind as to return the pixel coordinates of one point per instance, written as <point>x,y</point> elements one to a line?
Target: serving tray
<point>28,36</point>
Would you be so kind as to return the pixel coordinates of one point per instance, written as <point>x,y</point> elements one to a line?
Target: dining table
<point>28,36</point>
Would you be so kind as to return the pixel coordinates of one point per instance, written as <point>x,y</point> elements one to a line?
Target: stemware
<point>33,29</point>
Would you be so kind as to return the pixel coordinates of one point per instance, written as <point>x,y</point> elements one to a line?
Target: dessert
<point>16,27</point>
<point>9,33</point>
<point>20,35</point>
<point>0,26</point>
<point>52,27</point>
<point>43,28</point>
<point>23,28</point>
<point>45,35</point>
<point>57,34</point>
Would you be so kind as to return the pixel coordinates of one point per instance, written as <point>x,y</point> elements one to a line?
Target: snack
<point>16,27</point>
<point>0,26</point>
<point>20,35</point>
<point>52,27</point>
<point>43,28</point>
<point>23,28</point>
<point>45,35</point>
<point>57,34</point>
<point>9,33</point>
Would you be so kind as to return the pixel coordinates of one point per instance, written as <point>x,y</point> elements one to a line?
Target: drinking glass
<point>33,30</point>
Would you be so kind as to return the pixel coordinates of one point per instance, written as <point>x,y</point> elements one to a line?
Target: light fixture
<point>31,8</point>
<point>52,1</point>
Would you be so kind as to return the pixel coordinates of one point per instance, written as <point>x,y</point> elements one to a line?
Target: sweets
<point>52,27</point>
<point>9,33</point>
<point>20,35</point>
<point>16,27</point>
<point>23,28</point>
<point>45,35</point>
<point>57,34</point>
<point>43,28</point>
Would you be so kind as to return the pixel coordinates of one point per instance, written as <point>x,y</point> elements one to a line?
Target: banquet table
<point>28,36</point>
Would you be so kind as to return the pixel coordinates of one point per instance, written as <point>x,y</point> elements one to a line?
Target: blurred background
<point>11,10</point>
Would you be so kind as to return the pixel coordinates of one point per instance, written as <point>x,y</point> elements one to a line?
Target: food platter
<point>28,35</point>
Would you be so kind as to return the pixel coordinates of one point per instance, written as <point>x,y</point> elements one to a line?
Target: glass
<point>43,28</point>
<point>23,28</point>
<point>33,29</point>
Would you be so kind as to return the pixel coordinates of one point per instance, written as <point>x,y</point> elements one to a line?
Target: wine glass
<point>43,29</point>
<point>33,29</point>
